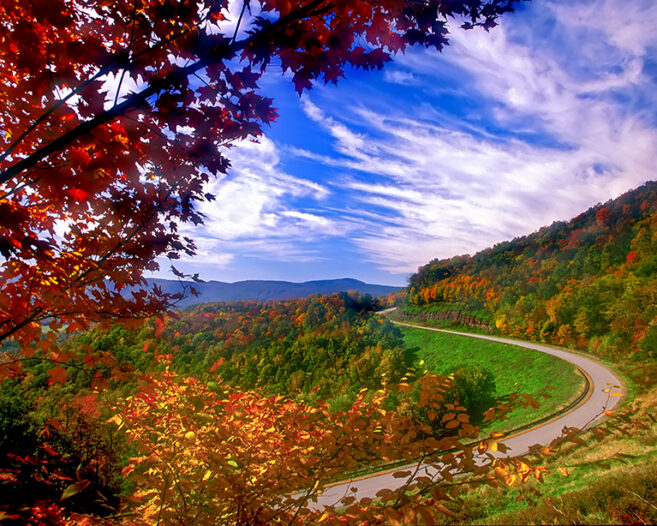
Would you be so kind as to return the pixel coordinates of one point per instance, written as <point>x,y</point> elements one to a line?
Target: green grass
<point>598,490</point>
<point>438,324</point>
<point>515,370</point>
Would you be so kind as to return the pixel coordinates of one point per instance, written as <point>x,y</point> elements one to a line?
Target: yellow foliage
<point>205,453</point>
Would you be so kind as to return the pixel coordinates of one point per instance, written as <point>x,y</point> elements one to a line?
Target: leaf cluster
<point>116,114</point>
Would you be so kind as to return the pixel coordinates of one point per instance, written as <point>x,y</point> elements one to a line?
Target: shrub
<point>475,388</point>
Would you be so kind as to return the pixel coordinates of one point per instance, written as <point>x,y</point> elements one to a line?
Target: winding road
<point>587,412</point>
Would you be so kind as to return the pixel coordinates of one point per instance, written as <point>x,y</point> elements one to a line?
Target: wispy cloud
<point>397,76</point>
<point>505,132</point>
<point>260,207</point>
<point>566,137</point>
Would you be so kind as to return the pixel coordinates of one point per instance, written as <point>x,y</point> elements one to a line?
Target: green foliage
<point>320,347</point>
<point>649,342</point>
<point>14,418</point>
<point>590,282</point>
<point>475,389</point>
<point>54,447</point>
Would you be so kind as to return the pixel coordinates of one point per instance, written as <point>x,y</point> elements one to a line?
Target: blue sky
<point>443,154</point>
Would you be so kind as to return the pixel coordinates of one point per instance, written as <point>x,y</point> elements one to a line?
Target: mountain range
<point>264,290</point>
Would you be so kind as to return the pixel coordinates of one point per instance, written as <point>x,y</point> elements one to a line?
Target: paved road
<point>585,414</point>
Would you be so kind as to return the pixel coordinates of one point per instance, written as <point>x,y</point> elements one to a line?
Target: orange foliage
<point>93,184</point>
<point>588,283</point>
<point>254,460</point>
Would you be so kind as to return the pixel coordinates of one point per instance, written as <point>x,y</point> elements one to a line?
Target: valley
<point>290,396</point>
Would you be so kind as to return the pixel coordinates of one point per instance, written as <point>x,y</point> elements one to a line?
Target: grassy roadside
<point>609,482</point>
<point>444,353</point>
<point>633,371</point>
<point>515,370</point>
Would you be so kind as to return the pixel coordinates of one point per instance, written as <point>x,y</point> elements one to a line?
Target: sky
<point>438,155</point>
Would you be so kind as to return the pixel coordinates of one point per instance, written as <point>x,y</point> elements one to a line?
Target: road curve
<point>585,414</point>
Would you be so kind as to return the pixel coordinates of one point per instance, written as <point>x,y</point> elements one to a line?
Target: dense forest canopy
<point>316,347</point>
<point>589,282</point>
<point>299,390</point>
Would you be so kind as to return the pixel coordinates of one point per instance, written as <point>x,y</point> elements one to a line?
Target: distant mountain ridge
<point>264,290</point>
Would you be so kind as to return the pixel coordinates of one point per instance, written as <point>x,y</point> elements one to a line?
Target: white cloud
<point>281,249</point>
<point>209,251</point>
<point>572,137</point>
<point>254,210</point>
<point>397,76</point>
<point>625,25</point>
<point>319,223</point>
<point>349,143</point>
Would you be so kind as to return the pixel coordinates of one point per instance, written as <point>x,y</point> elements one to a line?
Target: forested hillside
<point>317,347</point>
<point>590,282</point>
<point>272,397</point>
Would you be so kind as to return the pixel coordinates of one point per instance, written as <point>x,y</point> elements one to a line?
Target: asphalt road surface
<point>589,411</point>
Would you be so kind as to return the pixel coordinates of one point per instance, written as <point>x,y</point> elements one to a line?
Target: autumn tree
<point>228,457</point>
<point>115,113</point>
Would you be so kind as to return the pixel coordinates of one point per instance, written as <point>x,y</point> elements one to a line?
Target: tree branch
<point>136,100</point>
<point>245,3</point>
<point>127,51</point>
<point>26,321</point>
<point>102,71</point>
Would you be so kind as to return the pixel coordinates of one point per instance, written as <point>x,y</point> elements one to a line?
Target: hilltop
<point>263,290</point>
<point>590,282</point>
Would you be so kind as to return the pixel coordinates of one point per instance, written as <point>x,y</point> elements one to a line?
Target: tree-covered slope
<point>264,389</point>
<point>591,281</point>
